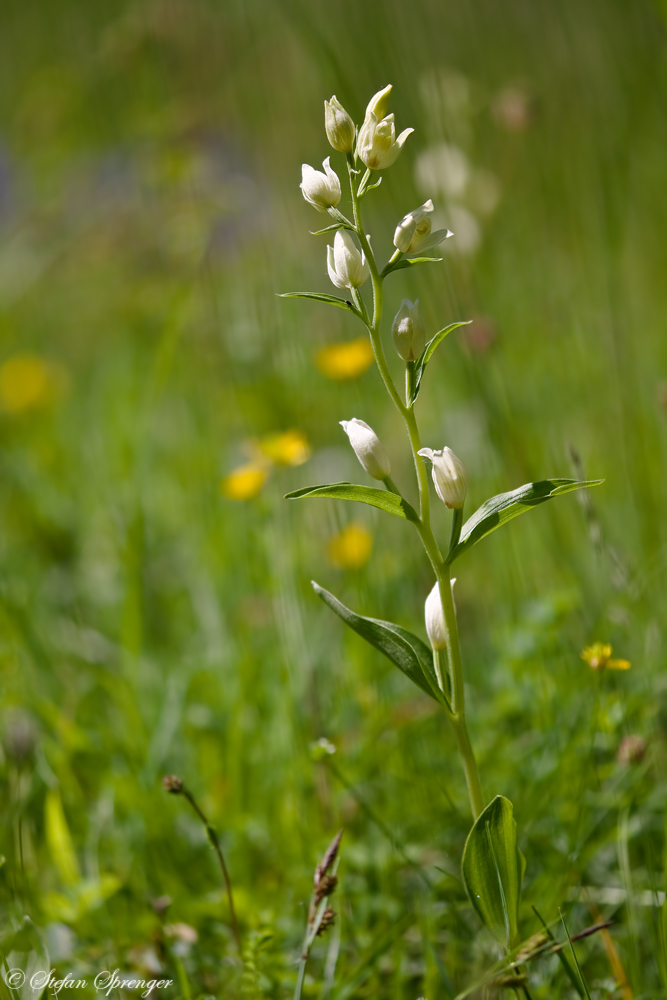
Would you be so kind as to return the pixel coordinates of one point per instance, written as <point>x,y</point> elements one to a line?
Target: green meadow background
<point>150,156</point>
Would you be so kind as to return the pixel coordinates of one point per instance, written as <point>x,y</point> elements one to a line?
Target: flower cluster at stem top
<point>376,146</point>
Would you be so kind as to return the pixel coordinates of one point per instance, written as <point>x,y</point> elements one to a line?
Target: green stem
<point>457,524</point>
<point>422,480</point>
<point>458,718</point>
<point>215,844</point>
<point>457,715</point>
<point>409,381</point>
<point>299,978</point>
<point>374,326</point>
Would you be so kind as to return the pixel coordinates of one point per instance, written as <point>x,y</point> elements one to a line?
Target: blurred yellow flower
<point>289,448</point>
<point>343,361</point>
<point>598,657</point>
<point>245,482</point>
<point>351,547</point>
<point>27,382</point>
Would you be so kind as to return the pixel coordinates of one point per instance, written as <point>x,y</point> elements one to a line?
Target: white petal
<point>437,237</point>
<point>331,268</point>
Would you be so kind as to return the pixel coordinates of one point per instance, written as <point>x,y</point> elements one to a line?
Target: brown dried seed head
<point>172,784</point>
<point>161,904</point>
<point>328,859</point>
<point>631,750</point>
<point>326,886</point>
<point>532,945</point>
<point>328,918</point>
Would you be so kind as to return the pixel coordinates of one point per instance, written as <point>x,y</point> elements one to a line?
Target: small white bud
<point>346,263</point>
<point>408,331</point>
<point>368,448</point>
<point>339,126</point>
<point>435,620</point>
<point>321,190</point>
<point>449,476</point>
<point>379,103</point>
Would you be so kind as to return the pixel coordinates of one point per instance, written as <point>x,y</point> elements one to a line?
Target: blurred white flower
<point>442,169</point>
<point>467,231</point>
<point>483,192</point>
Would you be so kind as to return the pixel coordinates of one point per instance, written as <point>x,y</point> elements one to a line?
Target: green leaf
<point>428,354</point>
<point>330,229</point>
<point>404,649</point>
<point>408,262</point>
<point>492,870</point>
<point>502,508</point>
<point>383,499</point>
<point>331,300</point>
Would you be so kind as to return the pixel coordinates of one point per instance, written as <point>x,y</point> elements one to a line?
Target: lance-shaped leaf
<point>502,508</point>
<point>492,870</point>
<point>404,649</point>
<point>428,354</point>
<point>408,262</point>
<point>331,300</point>
<point>383,499</point>
<point>333,229</point>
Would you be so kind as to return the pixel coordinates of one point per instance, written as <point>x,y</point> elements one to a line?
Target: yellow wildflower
<point>245,482</point>
<point>27,382</point>
<point>288,448</point>
<point>345,361</point>
<point>351,547</point>
<point>598,657</point>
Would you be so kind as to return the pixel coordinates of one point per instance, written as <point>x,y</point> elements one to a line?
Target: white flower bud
<point>449,476</point>
<point>339,126</point>
<point>346,263</point>
<point>435,620</point>
<point>321,190</point>
<point>377,144</point>
<point>368,448</point>
<point>379,103</point>
<point>413,228</point>
<point>408,331</point>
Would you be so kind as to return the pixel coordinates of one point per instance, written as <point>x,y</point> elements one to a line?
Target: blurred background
<point>157,400</point>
